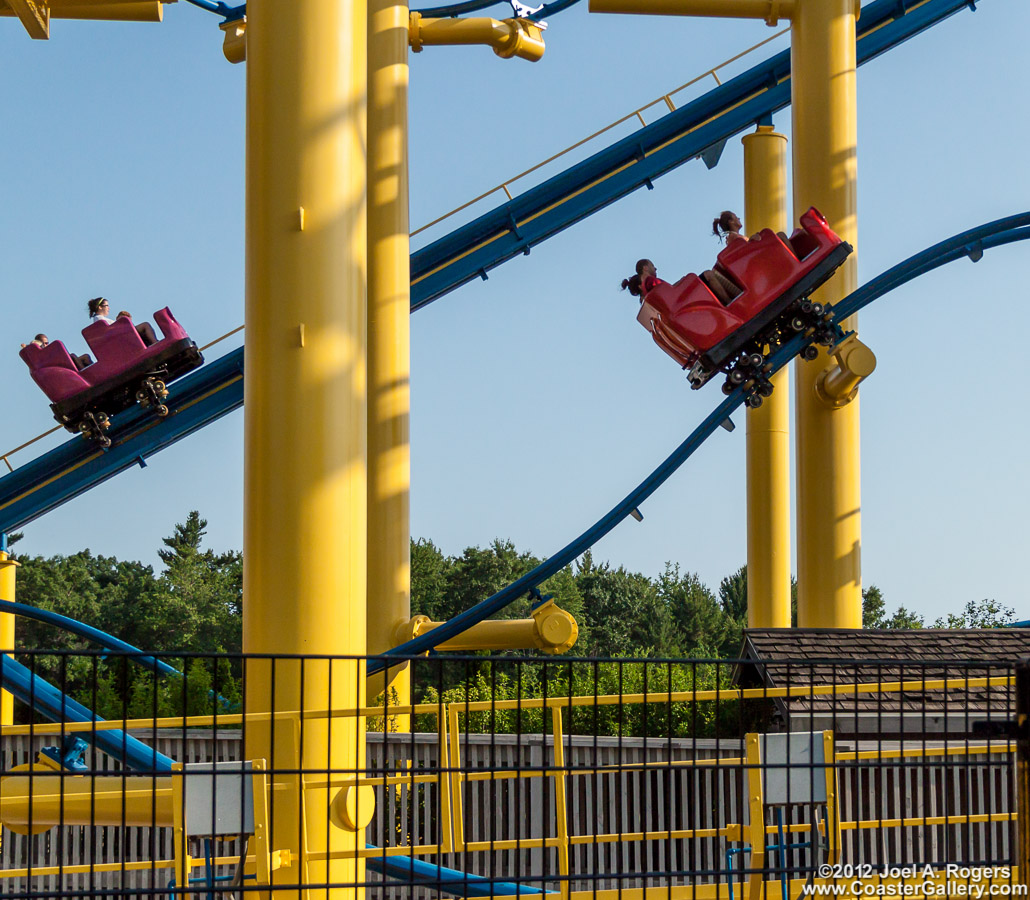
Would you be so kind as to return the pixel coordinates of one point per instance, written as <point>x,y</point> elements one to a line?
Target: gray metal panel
<point>794,767</point>
<point>219,798</point>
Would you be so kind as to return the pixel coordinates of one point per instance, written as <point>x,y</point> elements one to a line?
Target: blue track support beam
<point>513,228</point>
<point>44,698</point>
<point>465,254</point>
<point>448,881</point>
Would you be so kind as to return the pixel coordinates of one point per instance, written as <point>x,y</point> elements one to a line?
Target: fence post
<point>1023,769</point>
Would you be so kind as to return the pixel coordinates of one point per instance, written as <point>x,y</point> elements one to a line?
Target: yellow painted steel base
<point>829,533</point>
<point>8,567</point>
<point>768,427</point>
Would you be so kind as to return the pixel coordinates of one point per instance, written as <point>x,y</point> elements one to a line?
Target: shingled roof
<point>781,657</point>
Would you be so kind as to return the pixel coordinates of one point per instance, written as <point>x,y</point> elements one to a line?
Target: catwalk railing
<point>521,776</point>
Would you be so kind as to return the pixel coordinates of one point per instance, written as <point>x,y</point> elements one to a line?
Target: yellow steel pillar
<point>768,436</point>
<point>389,357</point>
<point>305,485</point>
<point>7,570</point>
<point>825,176</point>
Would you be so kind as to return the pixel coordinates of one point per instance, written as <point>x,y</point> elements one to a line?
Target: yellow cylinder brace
<point>551,630</point>
<point>507,37</point>
<point>838,385</point>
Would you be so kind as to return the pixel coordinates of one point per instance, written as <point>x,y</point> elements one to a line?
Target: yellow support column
<point>7,585</point>
<point>825,176</point>
<point>389,357</point>
<point>768,436</point>
<point>305,485</point>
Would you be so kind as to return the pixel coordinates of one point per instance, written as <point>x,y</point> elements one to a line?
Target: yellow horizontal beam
<point>768,10</point>
<point>106,10</point>
<point>138,866</point>
<point>916,821</point>
<point>551,629</point>
<point>507,37</point>
<point>965,750</point>
<point>727,694</point>
<point>722,694</point>
<point>34,15</point>
<point>579,839</point>
<point>47,799</point>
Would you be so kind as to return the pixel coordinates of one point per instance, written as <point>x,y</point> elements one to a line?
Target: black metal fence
<point>505,776</point>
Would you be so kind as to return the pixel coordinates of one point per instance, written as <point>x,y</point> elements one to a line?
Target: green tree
<point>874,608</point>
<point>874,612</point>
<point>978,614</point>
<point>625,615</point>
<point>733,595</point>
<point>428,579</point>
<point>202,596</point>
<point>703,628</point>
<point>195,604</point>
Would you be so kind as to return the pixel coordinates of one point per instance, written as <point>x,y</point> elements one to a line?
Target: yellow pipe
<point>838,386</point>
<point>50,799</point>
<point>507,37</point>
<point>305,490</point>
<point>389,343</point>
<point>769,10</point>
<point>825,137</point>
<point>768,428</point>
<point>552,630</point>
<point>8,567</point>
<point>134,11</point>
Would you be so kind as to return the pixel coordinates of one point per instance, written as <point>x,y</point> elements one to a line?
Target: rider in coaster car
<point>646,277</point>
<point>99,311</point>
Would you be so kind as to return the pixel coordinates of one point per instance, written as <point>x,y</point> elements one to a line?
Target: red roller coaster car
<point>126,372</point>
<point>774,279</point>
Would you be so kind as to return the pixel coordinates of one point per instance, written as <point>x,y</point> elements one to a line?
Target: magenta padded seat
<point>116,347</point>
<point>53,370</point>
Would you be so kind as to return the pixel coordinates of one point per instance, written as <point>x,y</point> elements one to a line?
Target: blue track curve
<point>967,244</point>
<point>73,626</point>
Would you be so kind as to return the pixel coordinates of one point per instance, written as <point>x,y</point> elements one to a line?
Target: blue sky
<point>538,402</point>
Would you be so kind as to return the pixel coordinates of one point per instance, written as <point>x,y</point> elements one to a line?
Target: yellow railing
<point>451,777</point>
<point>638,114</point>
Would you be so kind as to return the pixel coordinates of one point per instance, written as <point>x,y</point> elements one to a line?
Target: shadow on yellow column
<point>768,436</point>
<point>829,533</point>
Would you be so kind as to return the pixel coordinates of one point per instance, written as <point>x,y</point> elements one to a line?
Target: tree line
<point>194,602</point>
